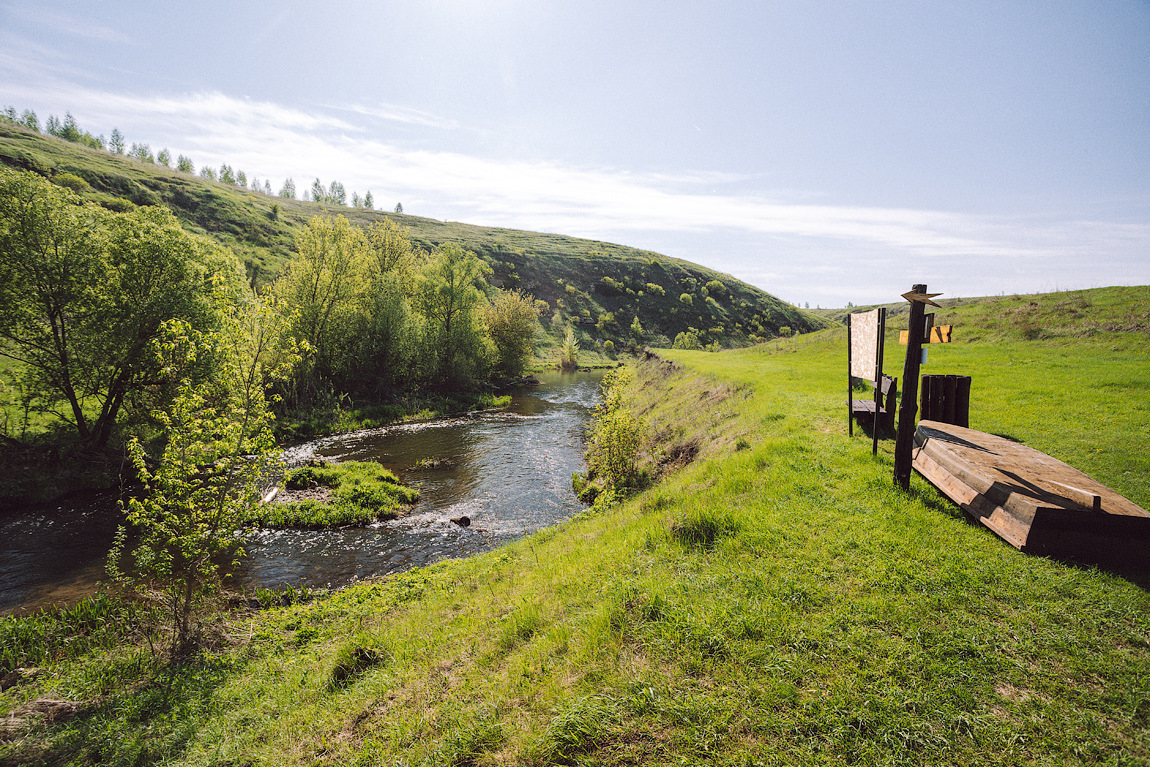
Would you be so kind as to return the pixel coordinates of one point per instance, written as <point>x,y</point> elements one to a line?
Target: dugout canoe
<point>1032,501</point>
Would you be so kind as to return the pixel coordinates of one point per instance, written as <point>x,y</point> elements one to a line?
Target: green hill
<point>601,286</point>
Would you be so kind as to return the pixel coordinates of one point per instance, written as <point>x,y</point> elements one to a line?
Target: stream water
<point>509,470</point>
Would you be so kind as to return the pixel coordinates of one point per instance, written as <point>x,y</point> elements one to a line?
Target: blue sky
<point>824,151</point>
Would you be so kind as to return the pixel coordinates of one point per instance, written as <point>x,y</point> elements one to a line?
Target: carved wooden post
<point>908,408</point>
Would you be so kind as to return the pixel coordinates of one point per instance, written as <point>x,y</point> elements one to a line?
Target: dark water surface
<point>509,470</point>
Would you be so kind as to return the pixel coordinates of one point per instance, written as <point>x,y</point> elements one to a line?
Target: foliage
<point>512,324</point>
<point>219,446</point>
<point>362,492</point>
<point>87,292</point>
<point>569,351</point>
<point>614,438</point>
<point>688,339</point>
<point>449,299</point>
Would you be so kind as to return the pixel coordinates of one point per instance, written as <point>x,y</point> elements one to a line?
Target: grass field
<point>776,601</point>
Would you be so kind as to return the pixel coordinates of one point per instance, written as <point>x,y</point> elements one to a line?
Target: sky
<point>826,152</point>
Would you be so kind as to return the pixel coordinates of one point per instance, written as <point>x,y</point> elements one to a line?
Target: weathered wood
<point>904,440</point>
<point>1034,502</point>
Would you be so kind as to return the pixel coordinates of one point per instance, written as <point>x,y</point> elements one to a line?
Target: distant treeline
<point>67,129</point>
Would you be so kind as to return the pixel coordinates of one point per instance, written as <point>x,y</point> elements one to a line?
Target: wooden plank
<point>1031,500</point>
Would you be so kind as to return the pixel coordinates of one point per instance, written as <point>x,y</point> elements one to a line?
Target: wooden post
<point>850,381</point>
<point>878,379</point>
<point>908,407</point>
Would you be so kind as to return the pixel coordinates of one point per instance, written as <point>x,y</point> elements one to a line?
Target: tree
<point>688,339</point>
<point>355,200</point>
<point>52,126</point>
<point>69,131</point>
<point>636,327</point>
<point>287,191</point>
<point>511,323</point>
<point>386,330</point>
<point>164,158</point>
<point>86,292</point>
<point>208,173</point>
<point>319,291</point>
<point>184,164</point>
<point>337,195</point>
<point>399,207</point>
<point>568,350</point>
<point>219,447</point>
<point>241,179</point>
<point>449,299</point>
<point>318,193</point>
<point>267,187</point>
<point>28,120</point>
<point>227,176</point>
<point>368,202</point>
<point>116,143</point>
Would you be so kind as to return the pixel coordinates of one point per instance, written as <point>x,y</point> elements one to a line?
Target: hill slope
<point>600,286</point>
<point>776,602</point>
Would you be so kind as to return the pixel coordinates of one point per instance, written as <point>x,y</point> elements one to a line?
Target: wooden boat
<point>1035,503</point>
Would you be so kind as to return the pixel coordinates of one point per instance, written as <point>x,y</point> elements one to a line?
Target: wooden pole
<point>878,393</point>
<point>908,407</point>
<point>850,381</point>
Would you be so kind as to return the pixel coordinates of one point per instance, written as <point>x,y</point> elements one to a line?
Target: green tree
<point>636,327</point>
<point>337,195</point>
<point>319,292</point>
<point>368,202</point>
<point>227,176</point>
<point>69,131</point>
<point>164,158</point>
<point>29,120</point>
<point>116,143</point>
<point>685,299</point>
<point>86,292</point>
<point>318,193</point>
<point>287,191</point>
<point>399,207</point>
<point>449,300</point>
<point>219,447</point>
<point>208,173</point>
<point>184,164</point>
<point>688,339</point>
<point>241,179</point>
<point>568,349</point>
<point>388,332</point>
<point>512,324</point>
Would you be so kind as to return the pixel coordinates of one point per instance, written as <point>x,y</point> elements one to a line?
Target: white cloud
<point>788,246</point>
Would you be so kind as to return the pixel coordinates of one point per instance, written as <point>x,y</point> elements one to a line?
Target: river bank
<point>775,601</point>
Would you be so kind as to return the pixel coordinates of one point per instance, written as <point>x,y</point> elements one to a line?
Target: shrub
<point>689,340</point>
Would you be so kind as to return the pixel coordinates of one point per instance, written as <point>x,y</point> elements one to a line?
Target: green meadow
<point>772,599</point>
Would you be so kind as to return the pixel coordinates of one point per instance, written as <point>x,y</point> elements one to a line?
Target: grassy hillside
<point>774,602</point>
<point>583,279</point>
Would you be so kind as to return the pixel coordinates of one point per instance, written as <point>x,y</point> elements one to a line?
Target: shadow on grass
<point>148,722</point>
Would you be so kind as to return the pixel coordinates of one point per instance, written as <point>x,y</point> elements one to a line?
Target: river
<point>508,470</point>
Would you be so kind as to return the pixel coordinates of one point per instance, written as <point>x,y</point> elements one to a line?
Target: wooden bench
<point>865,407</point>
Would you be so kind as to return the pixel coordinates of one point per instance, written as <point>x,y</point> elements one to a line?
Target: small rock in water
<point>463,521</point>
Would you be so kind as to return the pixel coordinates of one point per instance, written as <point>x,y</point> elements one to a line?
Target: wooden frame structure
<point>866,332</point>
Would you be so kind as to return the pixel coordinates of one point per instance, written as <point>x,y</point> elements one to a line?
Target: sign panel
<point>864,344</point>
<point>939,334</point>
